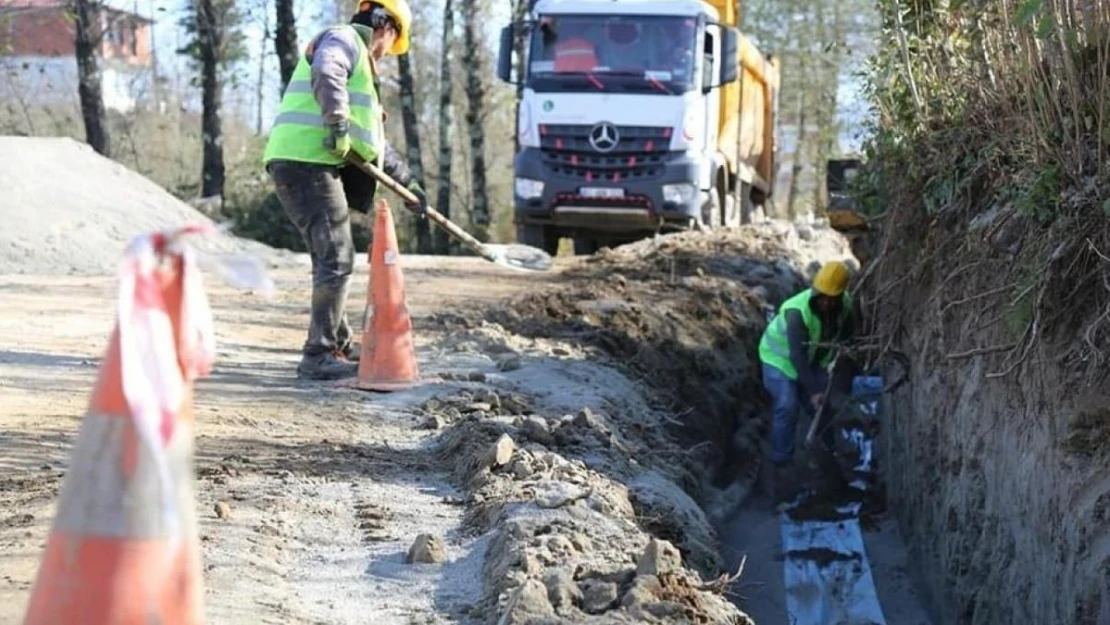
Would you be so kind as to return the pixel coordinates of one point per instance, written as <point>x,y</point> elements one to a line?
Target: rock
<point>434,422</point>
<point>516,405</point>
<point>501,452</point>
<point>554,494</point>
<point>223,510</point>
<point>476,376</point>
<point>426,549</point>
<point>587,419</point>
<point>527,602</point>
<point>644,589</point>
<point>562,592</point>
<point>659,557</point>
<point>598,596</point>
<point>805,232</point>
<point>529,564</point>
<point>509,363</point>
<point>559,547</point>
<point>536,429</point>
<point>560,351</point>
<point>489,398</point>
<point>480,406</point>
<point>582,543</point>
<point>522,469</point>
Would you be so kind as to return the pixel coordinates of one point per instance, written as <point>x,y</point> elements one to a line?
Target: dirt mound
<point>67,210</point>
<point>685,313</point>
<point>566,505</point>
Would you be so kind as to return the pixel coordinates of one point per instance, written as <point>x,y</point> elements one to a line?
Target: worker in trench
<point>795,355</point>
<point>331,109</point>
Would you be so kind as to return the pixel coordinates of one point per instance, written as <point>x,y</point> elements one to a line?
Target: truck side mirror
<point>730,55</point>
<point>505,55</point>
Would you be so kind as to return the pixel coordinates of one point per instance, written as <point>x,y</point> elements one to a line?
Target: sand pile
<point>65,209</point>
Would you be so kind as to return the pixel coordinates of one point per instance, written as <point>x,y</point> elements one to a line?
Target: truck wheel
<point>747,208</point>
<point>585,246</point>
<point>731,217</point>
<point>711,210</point>
<point>543,237</point>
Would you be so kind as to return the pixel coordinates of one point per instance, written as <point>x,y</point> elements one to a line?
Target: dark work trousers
<point>318,200</point>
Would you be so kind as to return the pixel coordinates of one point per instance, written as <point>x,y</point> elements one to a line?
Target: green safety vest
<point>774,347</point>
<point>299,132</point>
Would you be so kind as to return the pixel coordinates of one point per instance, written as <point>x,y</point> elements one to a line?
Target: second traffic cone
<point>123,547</point>
<point>388,358</point>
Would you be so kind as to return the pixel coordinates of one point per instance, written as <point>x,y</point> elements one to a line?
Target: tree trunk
<point>210,36</point>
<point>475,113</point>
<point>796,158</point>
<point>261,85</point>
<point>520,10</point>
<point>89,91</point>
<point>446,126</point>
<point>412,143</point>
<point>285,43</point>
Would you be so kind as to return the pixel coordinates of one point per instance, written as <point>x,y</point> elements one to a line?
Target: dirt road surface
<point>308,509</point>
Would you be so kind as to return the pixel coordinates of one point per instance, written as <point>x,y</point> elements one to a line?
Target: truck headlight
<point>528,189</point>
<point>679,193</point>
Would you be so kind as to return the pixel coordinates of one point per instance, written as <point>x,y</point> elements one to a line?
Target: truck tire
<point>543,237</point>
<point>747,207</point>
<point>711,211</point>
<point>731,217</point>
<point>585,246</point>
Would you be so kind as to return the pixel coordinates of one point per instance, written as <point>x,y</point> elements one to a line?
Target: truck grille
<point>640,153</point>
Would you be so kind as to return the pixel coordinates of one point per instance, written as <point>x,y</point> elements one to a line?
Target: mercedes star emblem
<point>604,137</point>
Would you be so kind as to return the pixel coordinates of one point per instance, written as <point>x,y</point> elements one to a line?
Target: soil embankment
<point>995,452</point>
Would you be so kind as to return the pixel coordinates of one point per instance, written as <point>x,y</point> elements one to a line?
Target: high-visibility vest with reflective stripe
<point>299,132</point>
<point>575,55</point>
<point>774,347</point>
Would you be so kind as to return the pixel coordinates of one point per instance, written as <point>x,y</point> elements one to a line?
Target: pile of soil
<point>68,210</point>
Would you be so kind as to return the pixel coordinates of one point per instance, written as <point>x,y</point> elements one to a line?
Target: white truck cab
<point>619,119</point>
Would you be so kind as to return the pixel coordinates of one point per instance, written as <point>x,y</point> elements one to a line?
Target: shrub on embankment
<point>990,168</point>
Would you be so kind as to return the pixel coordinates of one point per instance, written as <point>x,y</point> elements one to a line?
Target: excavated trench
<point>683,314</point>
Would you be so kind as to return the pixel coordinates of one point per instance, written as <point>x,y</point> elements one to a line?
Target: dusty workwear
<point>333,89</point>
<point>793,363</point>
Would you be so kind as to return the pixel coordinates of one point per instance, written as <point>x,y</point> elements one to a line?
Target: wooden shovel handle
<point>433,214</point>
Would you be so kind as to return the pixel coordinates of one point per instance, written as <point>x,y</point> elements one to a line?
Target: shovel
<point>514,256</point>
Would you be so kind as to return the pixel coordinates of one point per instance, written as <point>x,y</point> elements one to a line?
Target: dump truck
<point>637,117</point>
<point>843,210</point>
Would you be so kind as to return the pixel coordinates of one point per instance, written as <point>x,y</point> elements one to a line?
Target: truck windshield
<point>612,53</point>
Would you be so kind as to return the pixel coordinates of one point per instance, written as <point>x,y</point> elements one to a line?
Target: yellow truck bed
<point>748,109</point>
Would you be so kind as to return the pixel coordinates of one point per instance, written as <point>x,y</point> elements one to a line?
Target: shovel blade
<point>522,257</point>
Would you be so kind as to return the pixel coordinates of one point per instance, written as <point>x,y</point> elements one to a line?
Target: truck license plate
<point>601,192</point>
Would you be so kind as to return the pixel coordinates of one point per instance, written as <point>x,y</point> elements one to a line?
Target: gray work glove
<point>338,142</point>
<point>420,207</point>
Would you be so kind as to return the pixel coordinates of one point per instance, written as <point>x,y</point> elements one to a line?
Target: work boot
<point>326,367</point>
<point>783,483</point>
<point>352,352</point>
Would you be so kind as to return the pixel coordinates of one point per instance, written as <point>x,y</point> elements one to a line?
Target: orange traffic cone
<point>123,547</point>
<point>388,358</point>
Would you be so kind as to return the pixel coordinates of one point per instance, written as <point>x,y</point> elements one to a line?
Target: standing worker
<point>793,362</point>
<point>331,109</point>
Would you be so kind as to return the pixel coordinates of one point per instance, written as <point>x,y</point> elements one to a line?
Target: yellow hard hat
<point>400,11</point>
<point>832,279</point>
